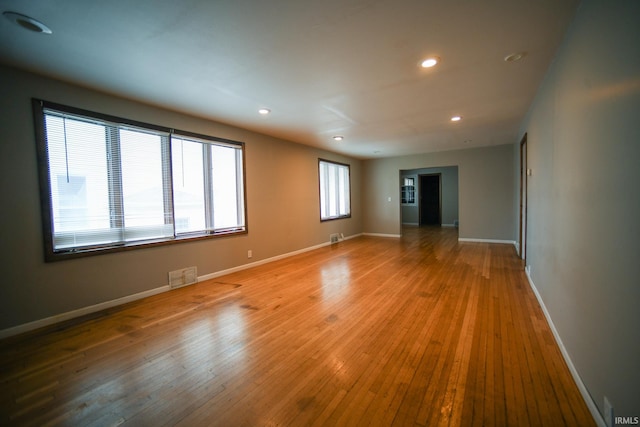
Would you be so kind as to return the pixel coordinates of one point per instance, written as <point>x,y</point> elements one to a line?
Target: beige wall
<point>584,204</point>
<point>485,180</point>
<point>282,203</point>
<point>282,209</point>
<point>410,214</point>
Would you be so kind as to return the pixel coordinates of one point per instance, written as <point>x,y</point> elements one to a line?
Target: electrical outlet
<point>608,412</point>
<point>249,253</point>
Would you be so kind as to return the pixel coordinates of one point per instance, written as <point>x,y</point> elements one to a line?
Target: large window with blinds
<point>109,183</point>
<point>335,198</point>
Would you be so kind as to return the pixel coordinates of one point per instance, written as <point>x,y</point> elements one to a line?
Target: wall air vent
<point>183,277</point>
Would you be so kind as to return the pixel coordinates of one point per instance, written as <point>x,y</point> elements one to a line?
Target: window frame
<point>320,198</point>
<point>39,106</point>
<point>408,191</point>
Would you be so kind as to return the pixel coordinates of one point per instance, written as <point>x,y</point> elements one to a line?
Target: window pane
<point>334,190</point>
<point>109,182</point>
<point>323,191</point>
<point>78,181</point>
<point>226,187</point>
<point>188,185</point>
<point>343,191</point>
<point>333,208</point>
<point>143,186</point>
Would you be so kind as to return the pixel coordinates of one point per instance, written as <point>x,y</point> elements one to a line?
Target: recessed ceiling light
<point>456,118</point>
<point>27,23</point>
<point>264,111</point>
<point>338,138</point>
<point>430,62</point>
<point>514,57</point>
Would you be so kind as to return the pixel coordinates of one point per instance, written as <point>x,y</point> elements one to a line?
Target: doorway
<point>430,201</point>
<point>524,172</point>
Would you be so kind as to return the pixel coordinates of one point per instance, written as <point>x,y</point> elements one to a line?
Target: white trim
<point>415,224</point>
<point>267,260</point>
<point>470,240</point>
<point>574,372</point>
<point>26,327</point>
<point>396,236</point>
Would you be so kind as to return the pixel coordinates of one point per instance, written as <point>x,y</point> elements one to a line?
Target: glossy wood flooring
<point>421,330</point>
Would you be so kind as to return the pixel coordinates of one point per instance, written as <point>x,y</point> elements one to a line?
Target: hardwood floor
<point>421,330</point>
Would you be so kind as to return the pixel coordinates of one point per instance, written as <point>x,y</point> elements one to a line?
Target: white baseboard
<point>396,236</point>
<point>471,240</point>
<point>586,396</point>
<point>415,224</point>
<point>26,327</point>
<point>267,260</point>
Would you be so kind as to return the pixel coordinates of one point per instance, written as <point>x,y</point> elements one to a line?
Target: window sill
<point>81,252</point>
<point>334,218</point>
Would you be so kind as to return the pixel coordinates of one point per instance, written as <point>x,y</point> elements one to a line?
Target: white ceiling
<point>347,67</point>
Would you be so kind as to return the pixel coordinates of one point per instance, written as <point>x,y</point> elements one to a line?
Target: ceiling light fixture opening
<point>456,118</point>
<point>27,23</point>
<point>264,111</point>
<point>338,138</point>
<point>432,61</point>
<point>515,57</point>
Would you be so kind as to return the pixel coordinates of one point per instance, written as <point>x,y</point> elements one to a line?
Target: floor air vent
<point>336,237</point>
<point>183,277</point>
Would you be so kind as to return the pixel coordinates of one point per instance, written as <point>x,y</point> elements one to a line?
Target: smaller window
<point>408,191</point>
<point>335,190</point>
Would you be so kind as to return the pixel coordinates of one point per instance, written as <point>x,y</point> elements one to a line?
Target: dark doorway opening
<point>430,199</point>
<point>522,247</point>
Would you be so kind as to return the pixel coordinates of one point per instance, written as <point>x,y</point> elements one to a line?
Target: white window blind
<point>188,185</point>
<point>207,186</point>
<point>106,182</point>
<point>110,184</point>
<point>335,184</point>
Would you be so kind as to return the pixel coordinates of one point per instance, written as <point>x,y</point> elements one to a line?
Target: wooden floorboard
<point>417,331</point>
